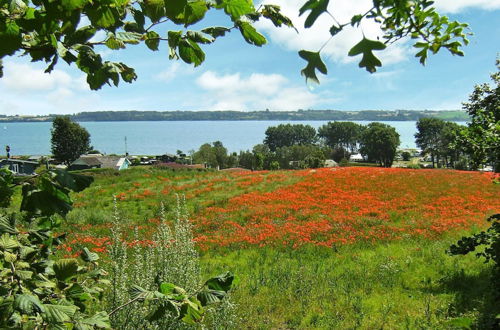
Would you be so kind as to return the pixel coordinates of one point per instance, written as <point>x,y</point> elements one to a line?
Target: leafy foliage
<point>40,290</point>
<point>481,139</point>
<point>341,135</point>
<point>490,239</point>
<point>417,20</point>
<point>380,142</point>
<point>51,31</point>
<point>69,140</point>
<point>286,135</point>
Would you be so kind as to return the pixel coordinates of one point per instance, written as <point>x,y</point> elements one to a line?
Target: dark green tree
<point>379,142</point>
<point>69,140</point>
<point>428,137</point>
<point>215,155</point>
<point>341,135</point>
<point>286,135</point>
<point>481,139</point>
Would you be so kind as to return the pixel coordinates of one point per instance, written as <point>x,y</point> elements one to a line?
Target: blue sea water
<point>159,137</point>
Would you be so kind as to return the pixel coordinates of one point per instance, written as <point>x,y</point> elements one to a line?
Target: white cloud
<point>315,37</point>
<point>26,88</point>
<point>255,92</point>
<point>455,6</point>
<point>175,70</point>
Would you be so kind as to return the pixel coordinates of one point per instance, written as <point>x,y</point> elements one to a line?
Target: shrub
<point>489,239</point>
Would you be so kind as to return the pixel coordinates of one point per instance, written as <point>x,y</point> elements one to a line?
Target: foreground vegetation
<point>344,248</point>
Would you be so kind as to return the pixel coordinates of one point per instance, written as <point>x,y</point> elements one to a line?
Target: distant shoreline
<point>301,115</point>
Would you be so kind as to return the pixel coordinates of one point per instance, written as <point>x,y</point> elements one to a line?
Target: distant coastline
<point>362,115</point>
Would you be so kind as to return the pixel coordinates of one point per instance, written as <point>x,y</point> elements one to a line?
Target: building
<point>19,166</point>
<point>97,161</point>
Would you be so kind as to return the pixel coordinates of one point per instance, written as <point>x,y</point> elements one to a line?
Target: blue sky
<point>238,76</point>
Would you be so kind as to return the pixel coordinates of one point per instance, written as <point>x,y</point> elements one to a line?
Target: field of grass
<point>328,248</point>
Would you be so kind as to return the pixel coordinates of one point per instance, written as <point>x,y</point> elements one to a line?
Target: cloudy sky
<point>237,76</point>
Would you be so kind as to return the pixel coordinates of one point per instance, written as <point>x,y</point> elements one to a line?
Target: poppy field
<point>324,207</point>
<point>353,247</point>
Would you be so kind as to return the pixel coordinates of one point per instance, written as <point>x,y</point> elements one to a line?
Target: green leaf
<point>10,37</point>
<point>174,37</point>
<point>190,52</point>
<point>159,312</point>
<point>99,320</point>
<point>236,8</point>
<point>250,34</point>
<point>65,269</point>
<point>167,288</point>
<point>216,31</point>
<point>6,226</point>
<point>133,38</point>
<point>194,12</point>
<point>28,304</point>
<point>314,63</point>
<point>198,37</point>
<point>136,291</point>
<point>6,242</point>
<point>174,8</point>
<point>70,5</point>
<point>24,274</point>
<point>103,16</point>
<point>356,19</point>
<point>191,311</point>
<point>222,282</point>
<point>58,313</point>
<point>273,13</point>
<point>81,35</point>
<point>152,40</point>
<point>88,256</point>
<point>317,7</point>
<point>366,47</point>
<point>9,257</point>
<point>43,203</point>
<point>334,30</point>
<point>75,182</point>
<point>154,9</point>
<point>114,43</point>
<point>210,296</point>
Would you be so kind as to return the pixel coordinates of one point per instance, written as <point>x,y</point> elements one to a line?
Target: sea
<point>160,137</point>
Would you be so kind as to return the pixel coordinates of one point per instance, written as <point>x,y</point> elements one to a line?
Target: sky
<point>238,76</point>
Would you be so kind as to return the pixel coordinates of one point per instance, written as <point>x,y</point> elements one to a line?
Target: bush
<point>489,239</point>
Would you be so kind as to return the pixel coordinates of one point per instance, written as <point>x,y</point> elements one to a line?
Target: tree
<point>428,137</point>
<point>53,30</point>
<point>214,155</point>
<point>286,135</point>
<point>481,139</point>
<point>341,135</point>
<point>69,140</point>
<point>379,142</point>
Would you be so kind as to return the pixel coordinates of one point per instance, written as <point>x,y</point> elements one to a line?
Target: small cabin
<point>19,166</point>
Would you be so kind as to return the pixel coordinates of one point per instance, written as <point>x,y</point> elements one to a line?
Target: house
<point>356,158</point>
<point>93,161</point>
<point>167,158</point>
<point>19,166</point>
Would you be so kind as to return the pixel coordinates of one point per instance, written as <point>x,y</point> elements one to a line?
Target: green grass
<point>407,285</point>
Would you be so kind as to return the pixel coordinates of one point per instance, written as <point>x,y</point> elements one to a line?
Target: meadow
<point>326,248</point>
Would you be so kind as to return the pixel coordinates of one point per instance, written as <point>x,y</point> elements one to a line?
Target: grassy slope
<point>406,283</point>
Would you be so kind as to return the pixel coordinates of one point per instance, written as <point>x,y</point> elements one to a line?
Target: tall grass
<point>169,257</point>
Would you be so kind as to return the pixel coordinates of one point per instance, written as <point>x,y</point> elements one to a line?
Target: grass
<point>346,248</point>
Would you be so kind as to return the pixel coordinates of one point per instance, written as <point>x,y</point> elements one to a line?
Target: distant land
<point>362,115</point>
